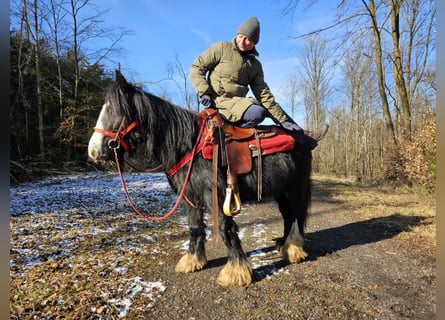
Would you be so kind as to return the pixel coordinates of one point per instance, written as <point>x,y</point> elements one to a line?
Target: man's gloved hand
<point>291,126</point>
<point>206,101</point>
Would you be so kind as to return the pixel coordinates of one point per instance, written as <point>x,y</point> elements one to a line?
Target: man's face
<point>244,43</point>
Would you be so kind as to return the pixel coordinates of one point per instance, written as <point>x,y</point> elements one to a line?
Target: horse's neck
<point>176,136</point>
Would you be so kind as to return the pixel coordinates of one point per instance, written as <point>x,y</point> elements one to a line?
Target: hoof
<point>235,274</point>
<point>190,263</point>
<point>293,253</point>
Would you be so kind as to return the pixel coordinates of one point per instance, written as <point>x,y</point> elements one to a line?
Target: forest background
<point>382,120</point>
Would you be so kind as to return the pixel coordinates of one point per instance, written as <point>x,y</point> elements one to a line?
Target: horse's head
<point>115,126</point>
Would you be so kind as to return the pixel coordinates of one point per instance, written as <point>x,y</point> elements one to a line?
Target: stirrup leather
<point>231,192</point>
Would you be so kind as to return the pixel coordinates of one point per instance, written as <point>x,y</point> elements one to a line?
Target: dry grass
<point>405,205</point>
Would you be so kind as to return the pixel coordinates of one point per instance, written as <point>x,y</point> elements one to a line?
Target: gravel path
<point>95,263</point>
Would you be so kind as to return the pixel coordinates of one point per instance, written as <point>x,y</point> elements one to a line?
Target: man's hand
<point>206,101</point>
<point>291,126</point>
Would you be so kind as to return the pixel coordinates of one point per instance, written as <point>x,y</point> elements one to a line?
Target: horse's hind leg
<point>292,249</point>
<point>237,271</point>
<point>195,258</point>
<point>294,216</point>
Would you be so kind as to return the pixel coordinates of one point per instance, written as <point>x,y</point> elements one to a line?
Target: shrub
<point>418,157</point>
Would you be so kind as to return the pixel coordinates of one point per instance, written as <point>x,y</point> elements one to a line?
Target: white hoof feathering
<point>190,263</point>
<point>292,249</point>
<point>293,253</point>
<point>235,274</point>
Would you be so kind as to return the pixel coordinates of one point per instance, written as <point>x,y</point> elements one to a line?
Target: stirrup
<point>230,191</point>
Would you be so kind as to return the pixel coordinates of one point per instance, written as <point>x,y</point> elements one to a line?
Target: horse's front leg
<point>237,271</point>
<point>195,258</point>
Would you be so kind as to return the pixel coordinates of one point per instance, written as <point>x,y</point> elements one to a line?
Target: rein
<point>114,144</point>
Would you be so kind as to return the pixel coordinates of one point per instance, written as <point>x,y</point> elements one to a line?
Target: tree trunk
<point>74,12</point>
<point>398,71</point>
<point>22,66</point>
<point>38,83</point>
<point>379,66</point>
<point>56,22</point>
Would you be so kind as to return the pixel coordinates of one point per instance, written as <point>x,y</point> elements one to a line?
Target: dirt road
<point>368,259</point>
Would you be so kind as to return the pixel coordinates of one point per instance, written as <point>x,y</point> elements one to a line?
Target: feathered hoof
<point>190,263</point>
<point>293,253</point>
<point>235,274</point>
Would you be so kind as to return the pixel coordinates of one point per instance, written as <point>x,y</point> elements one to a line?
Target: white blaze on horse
<point>146,129</point>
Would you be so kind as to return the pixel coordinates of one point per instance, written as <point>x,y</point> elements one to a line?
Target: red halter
<point>117,136</point>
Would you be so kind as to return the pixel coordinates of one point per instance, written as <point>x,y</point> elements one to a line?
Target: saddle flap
<point>239,157</point>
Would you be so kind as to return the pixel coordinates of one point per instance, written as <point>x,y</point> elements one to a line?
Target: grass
<point>409,208</point>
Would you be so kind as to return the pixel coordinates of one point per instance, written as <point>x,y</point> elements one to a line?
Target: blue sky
<point>166,29</point>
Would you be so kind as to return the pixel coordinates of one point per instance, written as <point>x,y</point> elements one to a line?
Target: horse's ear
<point>122,83</point>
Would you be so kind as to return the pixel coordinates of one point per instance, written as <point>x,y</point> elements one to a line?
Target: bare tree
<point>399,76</point>
<point>57,14</point>
<point>409,56</point>
<point>376,29</point>
<point>38,79</point>
<point>291,91</point>
<point>87,28</point>
<point>420,17</point>
<point>23,64</point>
<point>315,78</point>
<point>180,78</point>
<point>186,89</point>
<point>398,36</point>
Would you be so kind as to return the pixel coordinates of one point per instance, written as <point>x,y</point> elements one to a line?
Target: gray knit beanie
<point>250,28</point>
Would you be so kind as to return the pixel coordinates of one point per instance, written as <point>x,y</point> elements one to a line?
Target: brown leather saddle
<point>237,146</point>
<point>239,150</point>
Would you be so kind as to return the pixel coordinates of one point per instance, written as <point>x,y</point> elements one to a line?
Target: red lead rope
<point>181,193</point>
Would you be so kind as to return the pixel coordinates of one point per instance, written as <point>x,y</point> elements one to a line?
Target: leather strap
<point>215,191</point>
<point>260,167</point>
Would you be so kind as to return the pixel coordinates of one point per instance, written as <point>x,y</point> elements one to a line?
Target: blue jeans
<point>253,116</point>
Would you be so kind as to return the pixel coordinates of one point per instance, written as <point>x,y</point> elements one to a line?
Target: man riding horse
<point>222,75</point>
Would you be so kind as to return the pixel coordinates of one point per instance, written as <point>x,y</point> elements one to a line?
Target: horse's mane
<point>168,130</point>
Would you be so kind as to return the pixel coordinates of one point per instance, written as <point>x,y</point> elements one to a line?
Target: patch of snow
<point>242,233</point>
<point>63,208</point>
<point>150,290</point>
<point>91,192</point>
<point>121,270</point>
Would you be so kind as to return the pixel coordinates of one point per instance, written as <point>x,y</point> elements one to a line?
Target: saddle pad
<point>278,143</point>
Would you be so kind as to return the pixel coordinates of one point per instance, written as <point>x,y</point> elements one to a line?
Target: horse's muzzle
<point>96,150</point>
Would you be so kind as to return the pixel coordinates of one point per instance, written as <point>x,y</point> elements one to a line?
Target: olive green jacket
<point>229,78</point>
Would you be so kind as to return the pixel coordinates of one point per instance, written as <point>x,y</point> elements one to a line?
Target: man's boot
<point>319,134</point>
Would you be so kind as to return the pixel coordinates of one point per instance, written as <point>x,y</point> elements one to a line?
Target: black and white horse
<point>148,129</point>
